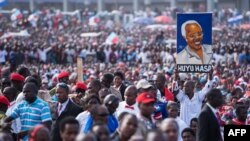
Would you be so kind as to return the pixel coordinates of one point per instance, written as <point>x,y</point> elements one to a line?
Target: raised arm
<point>207,87</point>
<point>179,94</point>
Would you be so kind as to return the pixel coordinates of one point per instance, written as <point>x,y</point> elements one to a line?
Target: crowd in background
<point>130,90</point>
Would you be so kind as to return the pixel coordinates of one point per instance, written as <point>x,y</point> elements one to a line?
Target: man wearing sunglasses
<point>195,52</point>
<point>98,114</point>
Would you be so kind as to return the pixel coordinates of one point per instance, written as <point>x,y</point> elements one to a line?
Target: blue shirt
<point>112,124</point>
<point>32,114</point>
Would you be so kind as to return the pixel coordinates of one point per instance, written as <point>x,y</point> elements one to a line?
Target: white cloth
<point>61,107</point>
<point>187,56</point>
<point>19,98</point>
<point>191,108</point>
<point>82,118</point>
<point>16,124</point>
<point>122,108</point>
<point>182,125</point>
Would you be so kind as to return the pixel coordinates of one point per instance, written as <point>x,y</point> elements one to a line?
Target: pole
<point>32,5</point>
<point>210,5</point>
<point>135,5</point>
<point>172,4</point>
<point>65,5</point>
<point>99,5</point>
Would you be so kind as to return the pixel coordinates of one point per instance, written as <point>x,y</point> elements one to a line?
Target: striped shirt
<point>32,114</point>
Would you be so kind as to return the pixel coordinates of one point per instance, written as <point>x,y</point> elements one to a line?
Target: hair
<point>109,77</point>
<point>94,109</point>
<point>110,99</point>
<point>38,79</point>
<point>170,104</point>
<point>119,74</point>
<point>12,90</point>
<point>31,79</point>
<point>88,97</point>
<point>96,83</point>
<point>63,86</point>
<point>183,26</point>
<point>5,80</point>
<point>193,119</point>
<point>22,70</point>
<point>122,115</point>
<point>161,75</point>
<point>98,124</point>
<point>191,131</point>
<point>126,115</point>
<point>239,108</point>
<point>211,95</point>
<point>34,86</point>
<point>169,120</point>
<point>67,120</point>
<point>234,97</point>
<point>36,129</point>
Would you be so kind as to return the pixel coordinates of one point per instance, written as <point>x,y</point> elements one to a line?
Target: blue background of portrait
<point>204,19</point>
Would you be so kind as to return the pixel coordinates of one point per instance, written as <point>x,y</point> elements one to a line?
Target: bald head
<point>130,95</point>
<point>189,87</point>
<point>10,93</point>
<point>99,113</point>
<point>170,127</point>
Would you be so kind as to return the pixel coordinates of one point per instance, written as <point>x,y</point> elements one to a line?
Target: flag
<point>3,3</point>
<point>112,39</point>
<point>235,20</point>
<point>33,18</point>
<point>16,15</point>
<point>94,21</point>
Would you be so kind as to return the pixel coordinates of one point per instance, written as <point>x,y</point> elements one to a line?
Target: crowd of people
<point>129,91</point>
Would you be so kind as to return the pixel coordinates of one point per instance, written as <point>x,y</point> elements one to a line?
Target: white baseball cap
<point>143,84</point>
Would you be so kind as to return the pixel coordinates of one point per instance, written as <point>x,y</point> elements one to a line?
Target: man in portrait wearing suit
<point>209,121</point>
<point>64,108</point>
<point>195,52</point>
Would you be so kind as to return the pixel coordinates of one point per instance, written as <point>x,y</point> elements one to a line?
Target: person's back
<point>208,122</point>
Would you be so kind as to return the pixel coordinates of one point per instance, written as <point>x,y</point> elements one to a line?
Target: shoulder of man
<point>183,52</point>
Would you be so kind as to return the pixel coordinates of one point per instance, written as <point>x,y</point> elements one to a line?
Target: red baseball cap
<point>17,77</point>
<point>81,85</point>
<point>63,74</point>
<point>145,98</point>
<point>4,100</point>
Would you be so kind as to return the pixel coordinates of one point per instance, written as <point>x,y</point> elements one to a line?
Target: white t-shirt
<point>82,118</point>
